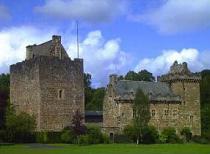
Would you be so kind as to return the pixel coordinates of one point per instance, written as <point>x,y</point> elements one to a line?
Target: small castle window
<point>153,113</point>
<point>166,112</point>
<point>191,118</point>
<point>60,94</point>
<point>174,113</point>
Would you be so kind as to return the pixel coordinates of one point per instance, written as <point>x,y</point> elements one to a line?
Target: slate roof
<point>156,91</point>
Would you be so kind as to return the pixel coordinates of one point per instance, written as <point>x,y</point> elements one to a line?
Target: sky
<point>115,36</point>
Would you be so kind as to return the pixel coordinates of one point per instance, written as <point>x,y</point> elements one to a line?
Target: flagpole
<point>77,39</point>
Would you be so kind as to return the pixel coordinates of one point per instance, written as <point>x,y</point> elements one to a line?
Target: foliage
<point>93,97</point>
<point>200,139</point>
<point>143,75</point>
<point>120,138</point>
<point>67,136</point>
<point>205,102</point>
<point>141,114</point>
<point>84,140</point>
<point>94,135</point>
<point>150,135</point>
<point>41,137</point>
<point>4,96</point>
<point>186,132</point>
<point>170,135</point>
<point>78,126</point>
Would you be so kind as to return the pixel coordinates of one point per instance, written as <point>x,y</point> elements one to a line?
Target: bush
<point>94,135</point>
<point>106,139</point>
<point>41,137</point>
<point>186,132</point>
<point>170,135</point>
<point>200,139</point>
<point>2,136</point>
<point>120,138</point>
<point>150,135</point>
<point>67,136</point>
<point>83,140</point>
<point>130,132</point>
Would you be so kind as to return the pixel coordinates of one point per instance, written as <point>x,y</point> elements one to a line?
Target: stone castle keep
<point>174,101</point>
<point>48,84</point>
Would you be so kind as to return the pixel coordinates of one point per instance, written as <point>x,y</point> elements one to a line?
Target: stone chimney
<point>56,39</point>
<point>113,78</point>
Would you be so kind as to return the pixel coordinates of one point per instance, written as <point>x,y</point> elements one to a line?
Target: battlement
<point>179,72</point>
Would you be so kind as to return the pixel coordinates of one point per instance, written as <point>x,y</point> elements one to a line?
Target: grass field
<point>106,149</point>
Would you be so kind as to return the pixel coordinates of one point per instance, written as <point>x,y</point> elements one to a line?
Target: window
<point>153,113</point>
<point>166,112</point>
<point>111,136</point>
<point>60,94</point>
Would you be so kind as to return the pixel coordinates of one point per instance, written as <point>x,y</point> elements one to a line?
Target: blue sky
<point>115,35</point>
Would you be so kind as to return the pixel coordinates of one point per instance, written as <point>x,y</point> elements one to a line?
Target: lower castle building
<point>174,101</point>
<point>48,85</point>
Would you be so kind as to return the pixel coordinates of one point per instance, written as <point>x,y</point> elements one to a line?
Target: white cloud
<point>178,16</point>
<point>13,42</point>
<point>88,10</point>
<point>101,58</point>
<point>196,60</point>
<point>4,14</point>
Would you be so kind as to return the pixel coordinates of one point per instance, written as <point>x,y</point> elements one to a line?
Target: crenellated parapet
<point>179,72</point>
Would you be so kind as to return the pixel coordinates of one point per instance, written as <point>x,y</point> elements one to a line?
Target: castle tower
<point>187,85</point>
<point>48,85</point>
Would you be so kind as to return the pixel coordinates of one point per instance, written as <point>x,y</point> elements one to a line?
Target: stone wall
<point>25,88</point>
<point>49,88</point>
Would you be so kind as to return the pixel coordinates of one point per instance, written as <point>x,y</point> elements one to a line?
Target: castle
<point>48,85</point>
<point>174,101</point>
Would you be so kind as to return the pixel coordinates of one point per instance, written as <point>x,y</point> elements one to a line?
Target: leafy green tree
<point>141,114</point>
<point>186,132</point>
<point>144,75</point>
<point>96,103</point>
<point>170,134</point>
<point>131,75</point>
<point>205,102</point>
<point>4,97</point>
<point>19,126</point>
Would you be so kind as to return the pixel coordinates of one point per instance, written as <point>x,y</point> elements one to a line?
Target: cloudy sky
<point>115,35</point>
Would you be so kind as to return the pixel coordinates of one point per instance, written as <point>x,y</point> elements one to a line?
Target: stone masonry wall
<point>56,75</point>
<point>25,88</point>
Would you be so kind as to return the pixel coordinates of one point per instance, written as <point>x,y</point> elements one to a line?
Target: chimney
<point>56,39</point>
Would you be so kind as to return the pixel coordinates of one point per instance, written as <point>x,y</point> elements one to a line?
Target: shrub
<point>53,137</point>
<point>150,135</point>
<point>83,140</point>
<point>41,137</point>
<point>171,136</point>
<point>200,139</point>
<point>94,135</point>
<point>106,139</point>
<point>130,132</point>
<point>120,138</point>
<point>186,132</point>
<point>67,136</point>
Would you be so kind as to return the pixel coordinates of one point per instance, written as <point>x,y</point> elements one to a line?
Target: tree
<point>96,103</point>
<point>4,97</point>
<point>131,75</point>
<point>186,132</point>
<point>144,75</point>
<point>78,126</point>
<point>141,114</point>
<point>19,126</point>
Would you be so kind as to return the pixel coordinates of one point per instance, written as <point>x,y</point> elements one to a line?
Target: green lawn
<point>106,149</point>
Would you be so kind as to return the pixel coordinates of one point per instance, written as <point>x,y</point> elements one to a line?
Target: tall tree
<point>4,96</point>
<point>144,75</point>
<point>141,114</point>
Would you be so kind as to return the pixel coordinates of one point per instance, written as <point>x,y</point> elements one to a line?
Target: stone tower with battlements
<point>48,85</point>
<point>187,85</point>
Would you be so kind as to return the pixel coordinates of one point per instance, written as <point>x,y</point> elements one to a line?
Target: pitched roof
<point>156,91</point>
